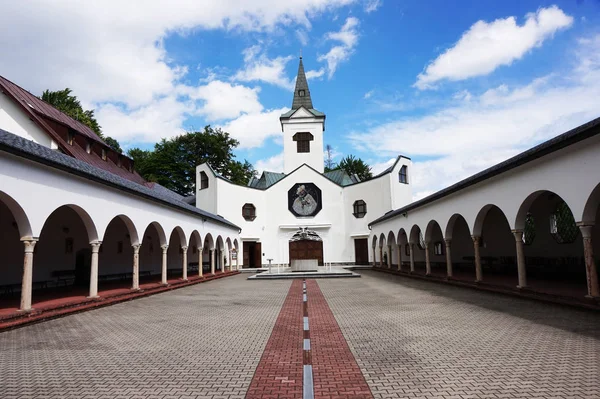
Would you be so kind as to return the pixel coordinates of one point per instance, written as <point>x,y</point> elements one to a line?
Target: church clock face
<point>304,199</point>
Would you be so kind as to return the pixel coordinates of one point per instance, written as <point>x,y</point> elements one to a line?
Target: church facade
<point>334,205</point>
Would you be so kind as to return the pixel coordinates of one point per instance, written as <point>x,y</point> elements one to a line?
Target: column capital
<point>518,233</point>
<point>185,248</point>
<point>586,230</point>
<point>476,238</point>
<point>95,246</point>
<point>164,247</point>
<point>448,241</point>
<point>200,248</point>
<point>29,245</point>
<point>136,247</point>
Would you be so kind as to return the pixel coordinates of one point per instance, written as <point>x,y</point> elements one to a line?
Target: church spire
<point>301,92</point>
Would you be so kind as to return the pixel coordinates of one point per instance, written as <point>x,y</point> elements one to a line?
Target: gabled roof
<point>341,177</point>
<point>585,131</point>
<point>266,180</point>
<point>56,124</point>
<point>43,108</point>
<point>301,92</point>
<point>24,148</point>
<point>313,111</point>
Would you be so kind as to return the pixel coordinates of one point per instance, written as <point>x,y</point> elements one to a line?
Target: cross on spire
<point>301,92</point>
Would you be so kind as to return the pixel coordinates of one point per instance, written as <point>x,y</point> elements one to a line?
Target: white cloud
<point>486,46</point>
<point>314,74</point>
<point>348,39</point>
<point>112,51</point>
<point>368,94</point>
<point>272,164</point>
<point>302,36</point>
<point>372,5</point>
<point>378,167</point>
<point>467,137</point>
<point>223,100</point>
<point>258,67</point>
<point>253,129</point>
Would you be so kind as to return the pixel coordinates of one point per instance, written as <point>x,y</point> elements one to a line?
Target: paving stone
<point>419,339</point>
<point>179,344</point>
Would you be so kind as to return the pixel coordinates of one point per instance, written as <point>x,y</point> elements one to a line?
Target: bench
<point>9,289</point>
<point>64,276</point>
<point>113,276</point>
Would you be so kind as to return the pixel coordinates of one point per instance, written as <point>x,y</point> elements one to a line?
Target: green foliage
<point>356,166</point>
<point>67,103</point>
<point>173,162</point>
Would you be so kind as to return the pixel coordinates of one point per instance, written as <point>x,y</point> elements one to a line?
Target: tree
<point>68,104</point>
<point>329,165</point>
<point>356,166</point>
<point>173,162</point>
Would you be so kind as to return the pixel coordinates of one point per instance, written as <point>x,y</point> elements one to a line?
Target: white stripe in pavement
<point>306,324</point>
<point>304,297</point>
<point>307,386</point>
<point>307,344</point>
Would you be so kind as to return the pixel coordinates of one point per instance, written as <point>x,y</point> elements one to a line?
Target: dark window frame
<point>407,249</point>
<point>249,212</point>
<point>438,248</point>
<point>203,180</point>
<point>303,140</point>
<point>359,209</point>
<point>403,174</point>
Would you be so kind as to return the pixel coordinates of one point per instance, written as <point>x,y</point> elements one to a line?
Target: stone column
<point>427,260</point>
<point>237,260</point>
<point>399,248</point>
<point>230,261</point>
<point>212,261</point>
<point>26,281</point>
<point>94,270</point>
<point>163,272</point>
<point>185,264</point>
<point>412,257</point>
<point>590,267</point>
<point>521,267</point>
<point>200,272</point>
<point>389,265</point>
<point>448,258</point>
<point>478,276</point>
<point>374,257</point>
<point>136,267</point>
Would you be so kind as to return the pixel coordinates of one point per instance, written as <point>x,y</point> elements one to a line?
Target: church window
<point>303,141</point>
<point>360,209</point>
<point>203,180</point>
<point>249,212</point>
<point>104,154</point>
<point>421,242</point>
<point>407,249</point>
<point>529,230</point>
<point>70,137</point>
<point>403,175</point>
<point>562,225</point>
<point>301,93</point>
<point>438,248</point>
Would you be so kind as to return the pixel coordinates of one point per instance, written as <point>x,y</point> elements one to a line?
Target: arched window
<point>562,225</point>
<point>529,230</point>
<point>303,141</point>
<point>403,174</point>
<point>249,212</point>
<point>438,248</point>
<point>421,243</point>
<point>360,209</point>
<point>203,180</point>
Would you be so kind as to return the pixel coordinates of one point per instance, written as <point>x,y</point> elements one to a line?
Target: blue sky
<point>456,86</point>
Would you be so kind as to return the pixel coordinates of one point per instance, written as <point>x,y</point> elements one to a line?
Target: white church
<point>79,224</point>
<point>334,206</point>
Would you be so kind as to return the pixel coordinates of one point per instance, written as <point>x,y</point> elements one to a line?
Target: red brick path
<point>335,371</point>
<point>279,373</point>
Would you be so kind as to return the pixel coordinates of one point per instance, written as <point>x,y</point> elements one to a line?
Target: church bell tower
<point>303,128</point>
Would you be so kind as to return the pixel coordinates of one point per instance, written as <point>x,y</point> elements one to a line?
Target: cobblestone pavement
<point>416,339</point>
<point>203,341</point>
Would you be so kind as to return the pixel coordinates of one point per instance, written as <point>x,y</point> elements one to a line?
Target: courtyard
<point>233,338</point>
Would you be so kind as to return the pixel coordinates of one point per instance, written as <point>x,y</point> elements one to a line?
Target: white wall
<point>14,120</point>
<point>40,190</point>
<point>302,121</point>
<point>571,173</point>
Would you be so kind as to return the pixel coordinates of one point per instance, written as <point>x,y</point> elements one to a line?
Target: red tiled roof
<point>52,121</point>
<point>44,109</point>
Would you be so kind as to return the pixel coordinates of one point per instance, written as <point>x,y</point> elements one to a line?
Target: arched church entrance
<point>306,244</point>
